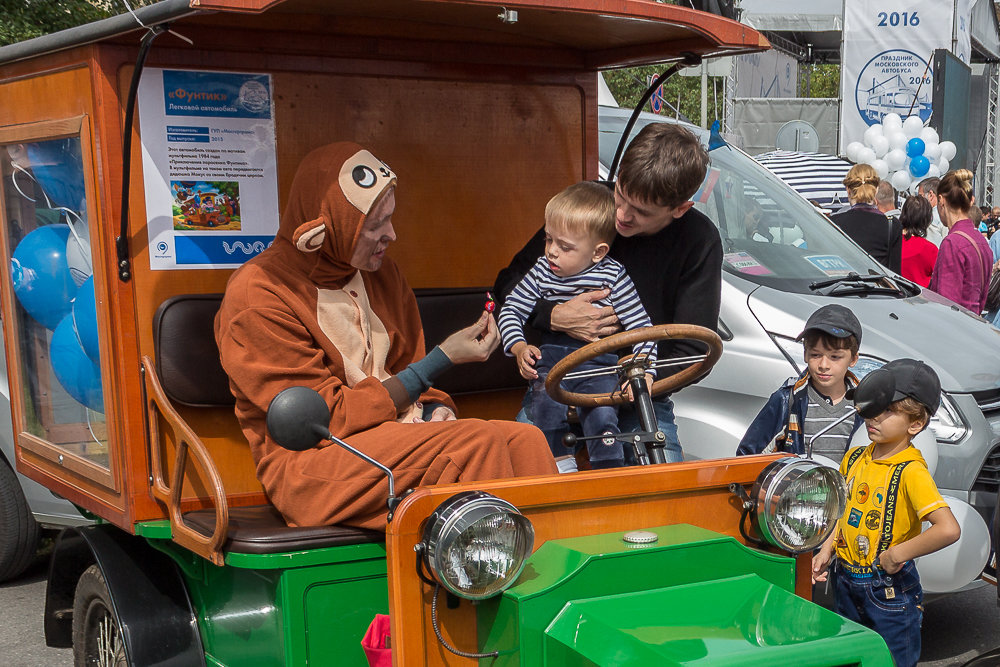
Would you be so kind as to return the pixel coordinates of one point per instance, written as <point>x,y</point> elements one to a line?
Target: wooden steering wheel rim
<point>629,339</point>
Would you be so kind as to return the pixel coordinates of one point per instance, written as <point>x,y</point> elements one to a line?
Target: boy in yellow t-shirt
<point>890,492</point>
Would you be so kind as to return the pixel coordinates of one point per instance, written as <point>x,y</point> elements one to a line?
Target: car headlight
<point>947,422</point>
<point>798,502</point>
<point>476,544</point>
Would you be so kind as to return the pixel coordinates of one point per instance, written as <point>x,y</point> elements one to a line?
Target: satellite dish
<point>797,135</point>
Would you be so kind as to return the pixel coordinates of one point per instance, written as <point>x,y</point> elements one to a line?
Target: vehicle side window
<point>56,385</point>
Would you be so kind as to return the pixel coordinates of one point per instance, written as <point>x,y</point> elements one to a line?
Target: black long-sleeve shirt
<point>677,273</point>
<point>871,230</point>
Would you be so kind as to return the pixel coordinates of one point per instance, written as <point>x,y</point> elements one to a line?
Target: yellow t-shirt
<point>860,529</point>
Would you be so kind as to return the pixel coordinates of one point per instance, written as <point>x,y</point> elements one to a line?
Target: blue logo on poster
<point>227,249</point>
<point>216,94</point>
<point>894,81</point>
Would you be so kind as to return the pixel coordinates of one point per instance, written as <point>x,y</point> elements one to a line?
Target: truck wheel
<point>18,529</point>
<point>97,639</point>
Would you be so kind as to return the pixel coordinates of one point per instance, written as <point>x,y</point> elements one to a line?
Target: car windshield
<point>771,235</point>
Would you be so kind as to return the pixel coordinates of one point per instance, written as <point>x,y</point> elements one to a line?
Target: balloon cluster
<point>904,152</point>
<point>57,291</point>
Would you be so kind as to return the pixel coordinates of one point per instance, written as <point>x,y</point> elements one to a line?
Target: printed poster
<point>887,53</point>
<point>209,167</point>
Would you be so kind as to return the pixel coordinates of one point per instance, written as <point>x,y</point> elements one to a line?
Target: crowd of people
<point>938,238</point>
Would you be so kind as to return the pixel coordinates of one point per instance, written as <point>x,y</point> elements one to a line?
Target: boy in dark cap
<point>890,493</point>
<point>807,404</point>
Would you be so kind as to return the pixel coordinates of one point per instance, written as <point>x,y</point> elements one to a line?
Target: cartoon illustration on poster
<point>212,204</point>
<point>209,167</point>
<point>894,81</point>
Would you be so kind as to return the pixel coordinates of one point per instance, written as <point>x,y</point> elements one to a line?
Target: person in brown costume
<point>324,308</point>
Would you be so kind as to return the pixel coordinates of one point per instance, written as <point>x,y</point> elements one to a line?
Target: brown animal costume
<point>300,314</point>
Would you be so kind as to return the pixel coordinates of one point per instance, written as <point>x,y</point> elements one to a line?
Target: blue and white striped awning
<point>816,176</point>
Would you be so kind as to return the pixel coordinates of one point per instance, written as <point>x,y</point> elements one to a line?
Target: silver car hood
<point>962,348</point>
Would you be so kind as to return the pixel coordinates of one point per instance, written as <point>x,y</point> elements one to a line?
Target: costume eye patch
<point>364,176</point>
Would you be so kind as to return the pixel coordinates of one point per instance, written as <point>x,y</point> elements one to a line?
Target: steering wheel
<point>700,364</point>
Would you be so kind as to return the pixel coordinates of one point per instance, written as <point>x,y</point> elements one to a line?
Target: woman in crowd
<point>864,223</point>
<point>918,254</point>
<point>964,262</point>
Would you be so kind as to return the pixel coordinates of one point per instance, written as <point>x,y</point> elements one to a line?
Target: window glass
<point>771,235</point>
<point>54,315</point>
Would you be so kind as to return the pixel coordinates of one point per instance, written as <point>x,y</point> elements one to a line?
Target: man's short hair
<point>885,194</point>
<point>664,165</point>
<point>584,208</point>
<point>929,185</point>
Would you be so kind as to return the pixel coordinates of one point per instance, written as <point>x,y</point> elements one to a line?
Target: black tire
<point>18,529</point>
<point>97,638</point>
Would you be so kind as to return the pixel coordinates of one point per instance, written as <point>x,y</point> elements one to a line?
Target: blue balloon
<point>919,166</point>
<point>85,319</point>
<point>42,281</point>
<point>915,147</point>
<point>78,375</point>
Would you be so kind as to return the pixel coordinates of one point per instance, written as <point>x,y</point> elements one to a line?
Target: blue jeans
<point>550,415</point>
<point>628,422</point>
<point>896,616</point>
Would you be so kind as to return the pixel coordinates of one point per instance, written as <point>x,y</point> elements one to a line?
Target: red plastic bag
<point>376,644</point>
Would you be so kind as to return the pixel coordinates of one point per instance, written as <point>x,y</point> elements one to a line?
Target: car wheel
<point>18,529</point>
<point>97,638</point>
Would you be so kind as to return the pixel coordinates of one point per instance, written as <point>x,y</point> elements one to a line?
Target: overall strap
<point>855,455</point>
<point>890,508</point>
<point>979,252</point>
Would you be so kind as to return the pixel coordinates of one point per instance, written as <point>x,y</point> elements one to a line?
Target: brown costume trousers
<point>334,486</point>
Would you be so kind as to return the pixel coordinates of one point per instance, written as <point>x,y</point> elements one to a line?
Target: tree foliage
<point>819,80</point>
<point>25,19</point>
<point>681,93</point>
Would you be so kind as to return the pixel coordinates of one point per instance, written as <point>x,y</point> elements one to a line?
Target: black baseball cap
<point>835,320</point>
<point>917,380</point>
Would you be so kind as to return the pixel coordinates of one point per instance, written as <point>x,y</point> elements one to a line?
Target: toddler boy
<point>807,404</point>
<point>579,230</point>
<point>890,492</point>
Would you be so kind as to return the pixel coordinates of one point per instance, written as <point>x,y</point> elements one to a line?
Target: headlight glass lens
<point>947,423</point>
<point>798,503</point>
<point>476,544</point>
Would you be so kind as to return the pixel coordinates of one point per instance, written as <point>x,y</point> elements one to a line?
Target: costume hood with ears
<point>335,188</point>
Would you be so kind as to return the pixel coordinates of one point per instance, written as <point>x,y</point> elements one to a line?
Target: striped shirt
<point>541,283</point>
<point>820,414</point>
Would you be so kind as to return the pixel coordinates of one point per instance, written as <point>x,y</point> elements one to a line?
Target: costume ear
<point>310,235</point>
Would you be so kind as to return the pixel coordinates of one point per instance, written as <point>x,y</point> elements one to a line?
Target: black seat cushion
<point>187,357</point>
<point>260,529</point>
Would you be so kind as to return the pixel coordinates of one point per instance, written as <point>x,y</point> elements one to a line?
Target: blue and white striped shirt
<point>541,283</point>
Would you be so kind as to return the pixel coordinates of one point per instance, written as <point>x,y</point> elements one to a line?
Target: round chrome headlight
<point>476,544</point>
<point>798,503</point>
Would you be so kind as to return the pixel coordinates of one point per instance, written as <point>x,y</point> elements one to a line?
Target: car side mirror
<point>298,418</point>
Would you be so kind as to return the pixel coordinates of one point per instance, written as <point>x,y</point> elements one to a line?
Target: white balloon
<point>881,168</point>
<point>960,563</point>
<point>866,155</point>
<point>880,145</point>
<point>852,150</point>
<point>912,126</point>
<point>926,442</point>
<point>891,121</point>
<point>943,165</point>
<point>897,140</point>
<point>895,159</point>
<point>930,136</point>
<point>871,133</point>
<point>932,151</point>
<point>901,179</point>
<point>933,172</point>
<point>948,150</point>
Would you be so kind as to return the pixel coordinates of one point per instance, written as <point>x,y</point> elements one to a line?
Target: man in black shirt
<point>672,252</point>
